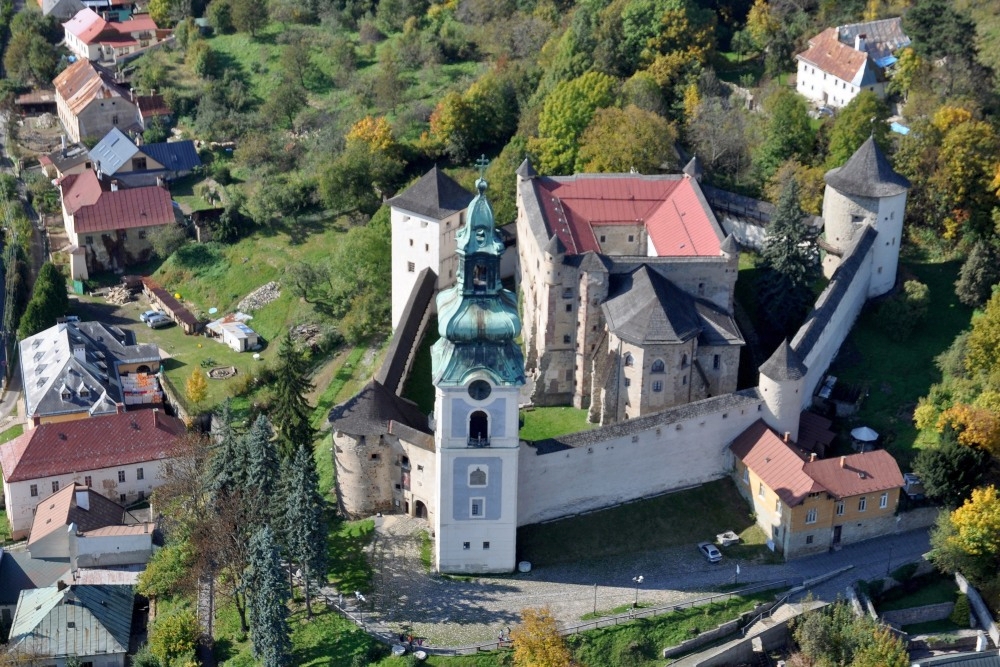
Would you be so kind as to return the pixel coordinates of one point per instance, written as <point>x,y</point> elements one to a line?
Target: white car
<point>158,321</point>
<point>709,551</point>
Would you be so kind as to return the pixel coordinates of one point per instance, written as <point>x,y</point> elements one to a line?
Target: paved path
<point>459,611</point>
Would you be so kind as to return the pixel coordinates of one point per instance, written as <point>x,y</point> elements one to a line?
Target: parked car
<point>709,551</point>
<point>158,322</point>
<point>150,313</point>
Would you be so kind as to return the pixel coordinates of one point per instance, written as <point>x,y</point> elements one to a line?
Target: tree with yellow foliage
<point>537,642</point>
<point>976,426</point>
<point>196,388</point>
<point>375,132</point>
<point>968,539</point>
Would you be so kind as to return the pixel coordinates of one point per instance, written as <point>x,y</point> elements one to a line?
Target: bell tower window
<point>479,435</point>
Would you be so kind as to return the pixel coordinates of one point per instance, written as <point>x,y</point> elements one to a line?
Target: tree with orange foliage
<point>537,642</point>
<point>976,426</point>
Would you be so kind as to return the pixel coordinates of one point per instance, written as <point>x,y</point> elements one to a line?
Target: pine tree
<point>267,598</point>
<point>227,469</point>
<point>291,409</point>
<point>263,471</point>
<point>304,522</point>
<point>980,272</point>
<point>790,264</point>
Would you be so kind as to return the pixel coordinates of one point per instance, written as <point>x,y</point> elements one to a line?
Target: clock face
<point>480,390</point>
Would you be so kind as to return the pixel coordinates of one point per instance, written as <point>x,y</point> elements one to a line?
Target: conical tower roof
<point>784,364</point>
<point>867,174</point>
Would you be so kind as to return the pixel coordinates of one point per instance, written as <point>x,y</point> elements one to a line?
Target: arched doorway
<point>420,510</point>
<point>479,433</point>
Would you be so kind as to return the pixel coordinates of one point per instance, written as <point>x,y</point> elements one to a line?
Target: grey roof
<point>591,261</point>
<point>19,572</point>
<point>784,364</point>
<point>693,168</point>
<point>370,410</point>
<point>867,174</point>
<point>644,307</point>
<point>435,195</point>
<point>77,620</point>
<point>708,406</point>
<point>49,365</point>
<point>63,9</point>
<point>555,246</point>
<point>392,372</point>
<point>985,659</point>
<point>717,326</point>
<point>882,38</point>
<point>829,301</point>
<point>113,151</point>
<point>526,170</point>
<point>173,155</point>
<point>65,159</point>
<point>730,246</point>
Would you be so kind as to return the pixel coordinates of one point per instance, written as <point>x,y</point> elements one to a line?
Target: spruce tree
<point>790,264</point>
<point>980,272</point>
<point>263,471</point>
<point>267,601</point>
<point>227,469</point>
<point>304,521</point>
<point>290,409</point>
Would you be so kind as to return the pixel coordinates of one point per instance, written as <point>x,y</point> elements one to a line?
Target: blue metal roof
<point>77,620</point>
<point>113,151</point>
<point>174,155</point>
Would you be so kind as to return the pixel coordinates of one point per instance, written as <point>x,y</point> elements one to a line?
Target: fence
<point>384,635</point>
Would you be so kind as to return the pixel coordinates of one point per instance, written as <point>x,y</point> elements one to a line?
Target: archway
<point>420,510</point>
<point>479,428</point>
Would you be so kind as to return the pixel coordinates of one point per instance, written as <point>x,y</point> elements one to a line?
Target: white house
<point>233,330</point>
<point>842,62</point>
<point>120,456</point>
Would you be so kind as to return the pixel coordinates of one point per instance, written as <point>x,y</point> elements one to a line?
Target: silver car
<point>709,551</point>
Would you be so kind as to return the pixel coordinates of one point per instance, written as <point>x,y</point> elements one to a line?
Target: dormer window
<point>84,392</point>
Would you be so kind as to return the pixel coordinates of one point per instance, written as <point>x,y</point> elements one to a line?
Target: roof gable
<point>86,25</point>
<point>434,195</point>
<point>829,55</point>
<point>112,152</point>
<point>84,82</point>
<point>644,307</point>
<point>370,410</point>
<point>779,465</point>
<point>868,472</point>
<point>62,509</point>
<point>75,620</point>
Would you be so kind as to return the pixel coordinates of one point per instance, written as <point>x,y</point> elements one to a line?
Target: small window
<point>121,475</point>
<point>883,501</point>
<point>138,473</point>
<point>657,386</point>
<point>809,539</point>
<point>88,481</point>
<point>34,490</point>
<point>122,498</point>
<point>427,247</point>
<point>631,238</point>
<point>635,438</point>
<point>374,457</point>
<point>411,267</point>
<point>746,475</point>
<point>684,380</point>
<point>89,240</point>
<point>658,366</point>
<point>628,382</point>
<point>486,546</point>
<point>55,486</point>
<point>142,234</point>
<point>811,516</point>
<point>567,339</point>
<point>603,238</point>
<point>862,504</point>
<point>411,243</point>
<point>840,508</point>
<point>760,490</point>
<point>138,164</point>
<point>420,468</point>
<point>114,119</point>
<point>477,508</point>
<point>142,496</point>
<point>569,308</point>
<point>629,360</point>
<point>716,362</point>
<point>466,545</point>
<point>777,506</point>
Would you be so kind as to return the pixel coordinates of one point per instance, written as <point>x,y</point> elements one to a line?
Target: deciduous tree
<point>979,273</point>
<point>982,356</point>
<point>566,113</point>
<point>648,146</point>
<point>196,387</point>
<point>788,135</point>
<point>537,642</point>
<point>950,471</point>
<point>249,15</point>
<point>174,635</point>
<point>864,116</point>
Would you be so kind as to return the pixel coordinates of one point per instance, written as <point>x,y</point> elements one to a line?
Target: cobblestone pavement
<point>460,611</point>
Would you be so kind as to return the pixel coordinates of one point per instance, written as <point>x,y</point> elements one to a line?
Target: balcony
<point>479,441</point>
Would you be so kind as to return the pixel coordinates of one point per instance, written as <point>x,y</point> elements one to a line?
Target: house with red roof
<point>808,505</point>
<point>109,226</point>
<point>120,456</point>
<point>91,37</point>
<point>627,283</point>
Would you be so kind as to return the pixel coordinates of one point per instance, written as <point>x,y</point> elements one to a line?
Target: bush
<point>960,614</point>
<point>904,573</point>
<point>902,313</point>
<point>174,636</point>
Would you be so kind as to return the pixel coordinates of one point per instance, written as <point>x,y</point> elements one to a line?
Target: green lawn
<point>932,627</point>
<point>898,374</point>
<point>929,589</point>
<point>541,423</point>
<point>4,527</point>
<point>11,433</point>
<point>674,519</point>
<point>182,191</point>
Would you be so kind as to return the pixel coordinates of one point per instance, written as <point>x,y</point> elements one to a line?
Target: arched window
<point>658,366</point>
<point>629,360</point>
<point>479,435</point>
<point>684,361</point>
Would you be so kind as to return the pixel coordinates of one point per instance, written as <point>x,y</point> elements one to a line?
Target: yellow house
<point>807,505</point>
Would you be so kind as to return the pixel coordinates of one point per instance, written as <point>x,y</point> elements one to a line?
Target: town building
<point>90,37</point>
<point>627,287</point>
<point>807,505</point>
<point>109,226</point>
<point>90,102</point>
<point>118,157</point>
<point>76,370</point>
<point>120,456</point>
<point>86,624</point>
<point>842,62</point>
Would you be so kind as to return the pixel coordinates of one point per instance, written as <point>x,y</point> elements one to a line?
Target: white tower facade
<point>865,191</point>
<point>478,371</point>
<point>780,384</point>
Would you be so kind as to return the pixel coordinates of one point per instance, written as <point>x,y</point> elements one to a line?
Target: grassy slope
<point>542,423</point>
<point>674,519</point>
<point>898,374</point>
<point>930,589</point>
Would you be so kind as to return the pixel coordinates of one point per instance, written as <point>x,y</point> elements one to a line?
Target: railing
<point>479,441</point>
<point>764,614</point>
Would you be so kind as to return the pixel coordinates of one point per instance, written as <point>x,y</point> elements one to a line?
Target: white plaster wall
<point>423,480</point>
<point>670,456</point>
<point>827,89</point>
<point>21,504</point>
<point>885,259</point>
<point>424,234</point>
<point>782,401</point>
<point>104,551</point>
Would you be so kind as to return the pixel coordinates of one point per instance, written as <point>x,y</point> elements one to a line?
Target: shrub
<point>902,313</point>
<point>960,614</point>
<point>174,636</point>
<point>904,573</point>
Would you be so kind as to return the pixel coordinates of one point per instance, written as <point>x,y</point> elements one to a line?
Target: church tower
<point>478,371</point>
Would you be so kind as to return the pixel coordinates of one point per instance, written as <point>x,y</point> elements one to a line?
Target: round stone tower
<point>780,384</point>
<point>865,191</point>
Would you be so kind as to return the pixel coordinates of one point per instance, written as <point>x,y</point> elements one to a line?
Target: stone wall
<point>930,612</point>
<point>979,608</point>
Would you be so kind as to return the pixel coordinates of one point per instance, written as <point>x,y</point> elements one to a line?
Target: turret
<point>780,384</point>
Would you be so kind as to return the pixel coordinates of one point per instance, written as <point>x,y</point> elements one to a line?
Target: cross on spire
<point>482,163</point>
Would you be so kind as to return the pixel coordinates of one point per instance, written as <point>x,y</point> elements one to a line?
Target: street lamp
<point>638,581</point>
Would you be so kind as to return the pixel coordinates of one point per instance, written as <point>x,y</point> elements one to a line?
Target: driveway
<point>460,611</point>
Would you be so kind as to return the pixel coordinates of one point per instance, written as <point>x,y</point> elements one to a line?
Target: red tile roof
<point>138,23</point>
<point>87,25</point>
<point>79,190</point>
<point>677,219</point>
<point>152,105</point>
<point>61,509</point>
<point>126,209</point>
<point>786,471</point>
<point>834,57</point>
<point>777,464</point>
<point>90,444</point>
<point>868,472</point>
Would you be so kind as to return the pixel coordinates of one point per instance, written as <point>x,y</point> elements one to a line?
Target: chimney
<point>788,436</point>
<point>97,168</point>
<point>60,585</point>
<point>80,351</point>
<point>62,143</point>
<point>860,43</point>
<point>114,185</point>
<point>843,461</point>
<point>155,417</point>
<point>812,457</point>
<point>83,500</point>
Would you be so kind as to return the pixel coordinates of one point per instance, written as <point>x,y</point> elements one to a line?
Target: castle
<point>465,469</point>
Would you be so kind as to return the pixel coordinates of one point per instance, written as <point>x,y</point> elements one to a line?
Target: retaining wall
<point>930,612</point>
<point>979,608</point>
